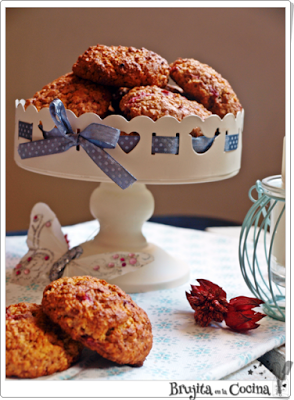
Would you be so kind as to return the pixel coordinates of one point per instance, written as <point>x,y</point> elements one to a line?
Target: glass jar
<point>262,246</point>
<point>273,187</point>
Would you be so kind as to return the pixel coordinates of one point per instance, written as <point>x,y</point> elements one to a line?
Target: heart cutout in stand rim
<point>129,142</point>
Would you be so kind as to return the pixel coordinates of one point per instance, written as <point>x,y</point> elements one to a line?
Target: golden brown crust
<point>122,66</point>
<point>101,316</point>
<point>155,102</point>
<point>77,94</point>
<point>205,85</point>
<point>35,346</point>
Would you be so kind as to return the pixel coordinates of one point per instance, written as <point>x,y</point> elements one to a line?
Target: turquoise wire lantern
<point>262,231</point>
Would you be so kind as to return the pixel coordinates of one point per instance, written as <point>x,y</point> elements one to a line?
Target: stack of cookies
<point>132,82</point>
<point>75,312</point>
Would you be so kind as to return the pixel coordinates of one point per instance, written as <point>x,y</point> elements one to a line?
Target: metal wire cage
<point>261,232</point>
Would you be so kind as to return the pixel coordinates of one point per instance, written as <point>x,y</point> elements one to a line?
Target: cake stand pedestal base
<point>164,272</point>
<point>121,215</point>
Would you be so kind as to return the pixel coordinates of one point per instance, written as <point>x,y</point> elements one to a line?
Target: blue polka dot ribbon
<point>202,143</point>
<point>25,130</point>
<point>165,144</point>
<point>231,142</point>
<point>93,139</point>
<point>128,143</point>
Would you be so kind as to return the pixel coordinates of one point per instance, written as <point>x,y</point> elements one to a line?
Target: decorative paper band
<point>94,138</point>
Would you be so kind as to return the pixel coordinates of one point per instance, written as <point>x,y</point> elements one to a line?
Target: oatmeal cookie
<point>122,66</point>
<point>155,102</point>
<point>35,346</point>
<point>77,94</point>
<point>101,316</point>
<point>203,84</point>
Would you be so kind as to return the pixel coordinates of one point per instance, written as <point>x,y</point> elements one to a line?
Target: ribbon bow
<point>94,139</point>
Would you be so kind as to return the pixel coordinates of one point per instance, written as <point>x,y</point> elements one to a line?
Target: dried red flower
<point>209,302</point>
<point>240,316</point>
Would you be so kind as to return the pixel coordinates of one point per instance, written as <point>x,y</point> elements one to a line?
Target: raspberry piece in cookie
<point>122,66</point>
<point>203,84</point>
<point>155,102</point>
<point>101,316</point>
<point>77,94</point>
<point>35,346</point>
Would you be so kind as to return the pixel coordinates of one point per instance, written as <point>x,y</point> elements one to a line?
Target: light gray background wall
<point>246,45</point>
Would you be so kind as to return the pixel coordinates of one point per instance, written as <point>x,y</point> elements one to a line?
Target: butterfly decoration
<point>46,244</point>
<point>49,255</point>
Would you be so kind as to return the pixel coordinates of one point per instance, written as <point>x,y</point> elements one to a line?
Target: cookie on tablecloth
<point>35,346</point>
<point>203,84</point>
<point>155,102</point>
<point>122,66</point>
<point>77,94</point>
<point>101,316</point>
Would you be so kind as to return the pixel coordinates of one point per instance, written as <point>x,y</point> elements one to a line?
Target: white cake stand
<point>121,213</point>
